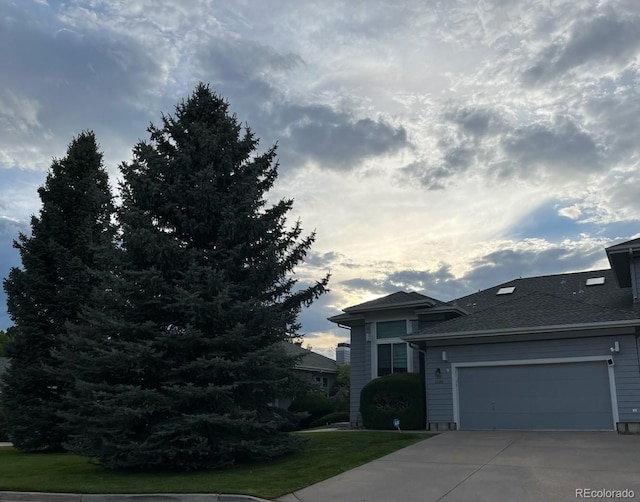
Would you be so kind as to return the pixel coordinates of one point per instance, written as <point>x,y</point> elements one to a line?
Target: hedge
<point>314,404</point>
<point>400,395</point>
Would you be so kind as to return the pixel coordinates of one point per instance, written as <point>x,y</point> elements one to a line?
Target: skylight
<point>506,291</point>
<point>594,281</point>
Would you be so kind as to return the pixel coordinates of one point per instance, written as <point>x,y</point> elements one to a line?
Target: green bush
<point>331,418</point>
<point>400,396</point>
<point>314,404</point>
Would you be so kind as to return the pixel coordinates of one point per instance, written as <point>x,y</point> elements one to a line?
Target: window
<point>391,329</point>
<point>322,381</point>
<point>391,352</point>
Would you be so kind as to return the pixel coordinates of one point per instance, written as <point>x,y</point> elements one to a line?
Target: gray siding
<point>626,369</point>
<point>360,369</point>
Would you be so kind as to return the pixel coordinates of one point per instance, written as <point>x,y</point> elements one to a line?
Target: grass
<point>325,455</point>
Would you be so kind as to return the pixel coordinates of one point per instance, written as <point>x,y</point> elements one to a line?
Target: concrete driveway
<point>492,466</point>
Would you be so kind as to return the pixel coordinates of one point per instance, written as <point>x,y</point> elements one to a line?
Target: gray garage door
<point>565,396</point>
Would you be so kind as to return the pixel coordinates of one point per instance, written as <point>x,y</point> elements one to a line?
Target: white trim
<point>522,362</point>
<point>554,328</point>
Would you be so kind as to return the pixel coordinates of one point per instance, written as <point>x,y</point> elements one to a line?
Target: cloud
<point>533,257</point>
<point>557,146</point>
<point>254,78</point>
<point>58,80</point>
<point>334,140</point>
<point>606,39</point>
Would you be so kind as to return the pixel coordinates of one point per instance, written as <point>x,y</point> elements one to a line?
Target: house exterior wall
<point>360,370</point>
<point>440,407</point>
<point>362,364</point>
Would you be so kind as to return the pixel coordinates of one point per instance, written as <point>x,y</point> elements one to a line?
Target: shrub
<point>331,418</point>
<point>316,405</point>
<point>400,395</point>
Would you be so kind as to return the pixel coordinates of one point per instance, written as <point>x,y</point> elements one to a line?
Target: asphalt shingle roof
<point>572,286</point>
<point>562,299</point>
<point>531,310</point>
<point>400,298</point>
<point>310,359</point>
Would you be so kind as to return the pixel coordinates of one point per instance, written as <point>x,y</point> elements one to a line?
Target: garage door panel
<point>535,396</point>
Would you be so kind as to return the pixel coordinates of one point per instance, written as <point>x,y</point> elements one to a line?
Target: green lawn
<point>326,454</point>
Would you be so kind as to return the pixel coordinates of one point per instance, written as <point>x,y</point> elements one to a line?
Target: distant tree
<point>179,367</point>
<point>57,274</point>
<point>340,392</point>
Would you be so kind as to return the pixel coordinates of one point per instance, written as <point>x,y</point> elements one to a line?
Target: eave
<point>559,328</point>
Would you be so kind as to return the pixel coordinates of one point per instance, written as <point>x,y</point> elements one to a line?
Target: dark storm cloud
<point>607,38</point>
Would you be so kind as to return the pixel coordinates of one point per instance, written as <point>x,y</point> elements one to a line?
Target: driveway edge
<point>8,496</point>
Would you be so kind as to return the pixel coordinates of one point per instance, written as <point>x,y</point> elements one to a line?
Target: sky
<point>438,147</point>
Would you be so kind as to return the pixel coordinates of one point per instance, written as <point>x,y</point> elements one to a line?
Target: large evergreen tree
<point>179,367</point>
<point>59,262</point>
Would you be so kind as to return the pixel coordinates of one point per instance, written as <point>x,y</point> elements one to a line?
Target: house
<point>316,368</point>
<point>557,352</point>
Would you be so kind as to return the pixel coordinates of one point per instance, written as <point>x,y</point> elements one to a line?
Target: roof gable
<point>620,259</point>
<point>395,300</point>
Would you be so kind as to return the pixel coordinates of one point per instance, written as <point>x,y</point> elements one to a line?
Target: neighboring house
<point>558,352</point>
<point>343,354</point>
<point>316,368</point>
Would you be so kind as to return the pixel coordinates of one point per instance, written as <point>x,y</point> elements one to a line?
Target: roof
<point>553,300</point>
<point>399,300</point>
<point>395,300</point>
<point>570,286</point>
<point>311,361</point>
<point>619,257</point>
<point>531,310</point>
